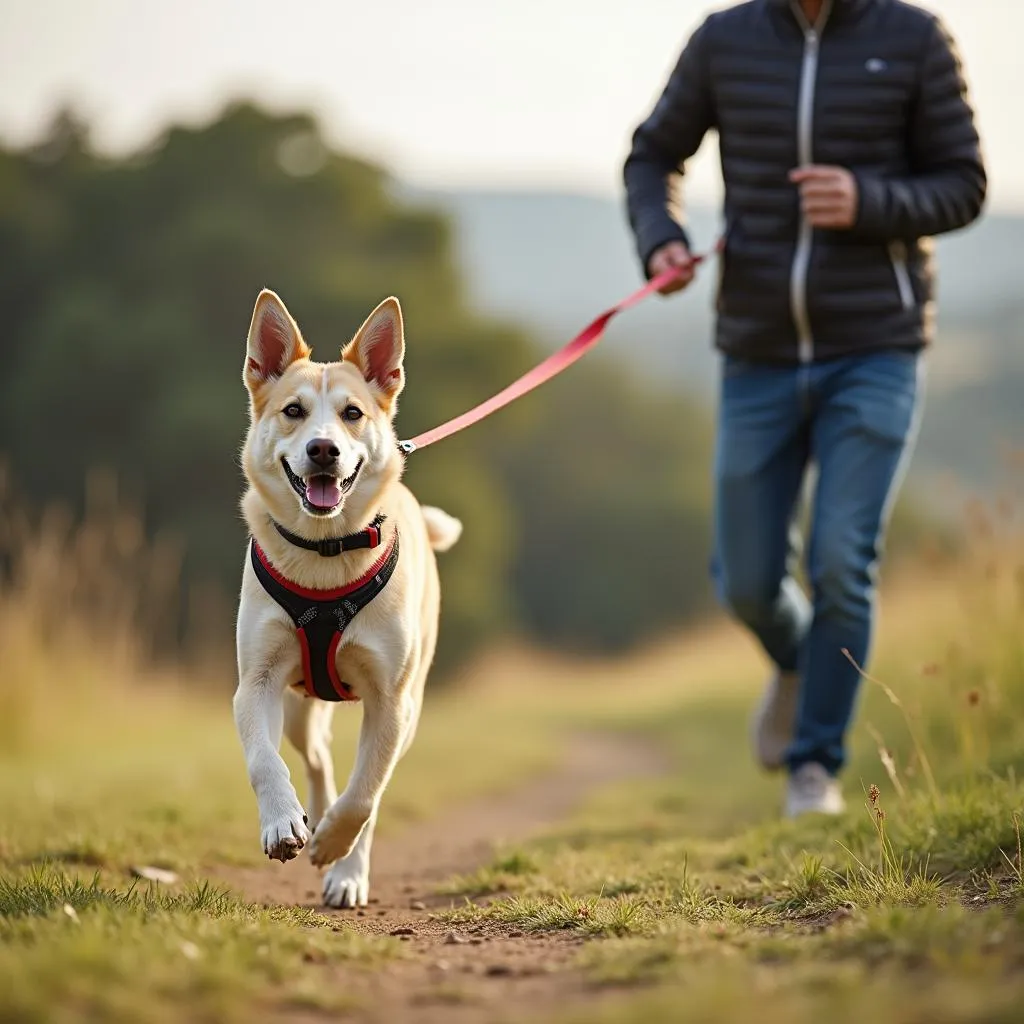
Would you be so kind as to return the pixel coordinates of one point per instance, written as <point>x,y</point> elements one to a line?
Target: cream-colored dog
<point>323,467</point>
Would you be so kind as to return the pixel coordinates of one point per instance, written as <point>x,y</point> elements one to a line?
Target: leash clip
<point>406,447</point>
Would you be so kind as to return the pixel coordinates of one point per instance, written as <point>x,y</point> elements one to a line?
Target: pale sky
<point>446,93</point>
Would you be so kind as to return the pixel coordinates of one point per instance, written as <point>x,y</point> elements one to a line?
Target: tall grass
<point>85,603</point>
<point>944,711</point>
<point>958,684</point>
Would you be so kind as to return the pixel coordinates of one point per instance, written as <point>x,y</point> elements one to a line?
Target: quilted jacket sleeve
<point>662,143</point>
<point>947,186</point>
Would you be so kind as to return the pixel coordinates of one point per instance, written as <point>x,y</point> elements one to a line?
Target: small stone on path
<point>161,875</point>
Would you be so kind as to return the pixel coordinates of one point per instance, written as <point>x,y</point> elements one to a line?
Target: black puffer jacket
<point>879,91</point>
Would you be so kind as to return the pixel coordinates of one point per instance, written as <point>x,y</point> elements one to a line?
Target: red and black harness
<point>322,616</point>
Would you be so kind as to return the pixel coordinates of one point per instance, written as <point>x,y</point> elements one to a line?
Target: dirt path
<point>490,973</point>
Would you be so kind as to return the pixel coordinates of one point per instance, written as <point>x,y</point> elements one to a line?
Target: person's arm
<point>947,185</point>
<point>662,143</point>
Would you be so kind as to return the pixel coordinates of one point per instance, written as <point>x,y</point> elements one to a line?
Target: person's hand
<point>828,195</point>
<point>672,255</point>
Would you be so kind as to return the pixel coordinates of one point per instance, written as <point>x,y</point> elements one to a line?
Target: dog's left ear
<point>378,349</point>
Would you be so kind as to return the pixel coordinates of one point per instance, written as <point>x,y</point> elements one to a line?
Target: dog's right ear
<point>274,342</point>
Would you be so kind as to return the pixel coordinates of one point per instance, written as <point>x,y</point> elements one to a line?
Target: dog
<point>323,615</point>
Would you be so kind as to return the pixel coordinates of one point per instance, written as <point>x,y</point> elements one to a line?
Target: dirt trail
<point>492,973</point>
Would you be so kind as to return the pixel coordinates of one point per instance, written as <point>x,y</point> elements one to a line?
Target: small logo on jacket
<point>875,65</point>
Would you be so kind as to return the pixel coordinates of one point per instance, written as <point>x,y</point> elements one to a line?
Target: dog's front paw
<point>337,833</point>
<point>285,833</point>
<point>347,885</point>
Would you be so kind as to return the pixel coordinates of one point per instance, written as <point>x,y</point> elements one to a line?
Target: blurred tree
<point>612,487</point>
<point>127,286</point>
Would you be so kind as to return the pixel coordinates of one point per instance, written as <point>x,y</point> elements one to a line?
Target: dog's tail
<point>442,529</point>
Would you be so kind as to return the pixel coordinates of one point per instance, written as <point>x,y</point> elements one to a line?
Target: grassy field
<point>697,903</point>
<point>907,909</point>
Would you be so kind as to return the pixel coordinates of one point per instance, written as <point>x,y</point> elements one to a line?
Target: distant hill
<point>552,261</point>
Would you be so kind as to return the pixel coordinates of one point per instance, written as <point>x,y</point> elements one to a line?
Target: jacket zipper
<point>898,258</point>
<point>805,156</point>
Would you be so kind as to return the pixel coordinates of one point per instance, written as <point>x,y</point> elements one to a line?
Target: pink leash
<point>551,367</point>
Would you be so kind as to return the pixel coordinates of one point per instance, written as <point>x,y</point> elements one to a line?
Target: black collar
<point>331,546</point>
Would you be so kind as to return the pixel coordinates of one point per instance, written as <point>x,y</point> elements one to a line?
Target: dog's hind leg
<point>347,883</point>
<point>386,720</point>
<point>415,707</point>
<point>307,724</point>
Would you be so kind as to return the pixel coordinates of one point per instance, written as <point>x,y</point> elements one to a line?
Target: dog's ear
<point>378,349</point>
<point>274,341</point>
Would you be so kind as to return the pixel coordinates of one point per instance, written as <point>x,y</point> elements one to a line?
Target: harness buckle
<point>329,548</point>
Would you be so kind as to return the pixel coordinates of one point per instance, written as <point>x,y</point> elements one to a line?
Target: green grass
<point>741,987</point>
<point>907,908</point>
<point>587,915</point>
<point>73,948</point>
<point>788,921</point>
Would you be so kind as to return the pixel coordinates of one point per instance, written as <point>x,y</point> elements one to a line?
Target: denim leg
<point>863,432</point>
<point>761,456</point>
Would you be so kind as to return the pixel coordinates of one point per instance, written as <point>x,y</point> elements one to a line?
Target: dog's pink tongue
<point>323,491</point>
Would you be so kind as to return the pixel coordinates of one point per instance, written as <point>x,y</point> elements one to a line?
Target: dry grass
<point>689,884</point>
<point>83,607</point>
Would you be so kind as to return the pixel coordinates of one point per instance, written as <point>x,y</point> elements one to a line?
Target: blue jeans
<point>855,420</point>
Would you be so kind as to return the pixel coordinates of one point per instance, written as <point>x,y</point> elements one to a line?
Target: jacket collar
<point>839,9</point>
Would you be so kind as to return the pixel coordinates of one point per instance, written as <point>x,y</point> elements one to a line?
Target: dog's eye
<point>294,411</point>
<point>352,413</point>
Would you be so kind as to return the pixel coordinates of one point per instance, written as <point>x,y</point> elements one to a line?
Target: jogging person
<point>847,140</point>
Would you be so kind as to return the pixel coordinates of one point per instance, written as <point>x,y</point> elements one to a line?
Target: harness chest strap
<point>322,616</point>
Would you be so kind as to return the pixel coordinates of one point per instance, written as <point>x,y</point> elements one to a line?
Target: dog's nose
<point>322,451</point>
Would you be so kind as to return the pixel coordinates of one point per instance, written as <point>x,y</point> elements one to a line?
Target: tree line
<point>127,284</point>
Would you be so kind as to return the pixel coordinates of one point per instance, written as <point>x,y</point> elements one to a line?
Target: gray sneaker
<point>811,790</point>
<point>771,728</point>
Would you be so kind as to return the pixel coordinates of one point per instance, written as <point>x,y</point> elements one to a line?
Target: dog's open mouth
<point>321,493</point>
